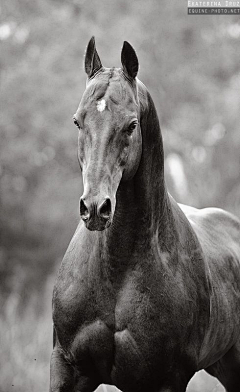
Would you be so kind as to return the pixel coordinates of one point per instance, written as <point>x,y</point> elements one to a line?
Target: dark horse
<point>148,292</point>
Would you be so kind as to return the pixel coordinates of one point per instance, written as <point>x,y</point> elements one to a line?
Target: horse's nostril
<point>83,210</point>
<point>105,209</point>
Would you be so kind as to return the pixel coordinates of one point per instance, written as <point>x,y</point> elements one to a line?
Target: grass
<point>26,344</point>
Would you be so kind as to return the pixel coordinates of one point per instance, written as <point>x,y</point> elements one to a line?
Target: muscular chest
<point>135,300</point>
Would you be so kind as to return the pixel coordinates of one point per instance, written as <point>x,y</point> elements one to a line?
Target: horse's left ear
<point>129,60</point>
<point>92,59</point>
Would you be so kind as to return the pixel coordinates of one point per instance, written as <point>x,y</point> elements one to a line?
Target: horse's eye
<point>76,122</point>
<point>131,127</point>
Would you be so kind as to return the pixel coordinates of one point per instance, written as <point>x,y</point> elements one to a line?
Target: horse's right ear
<point>92,60</point>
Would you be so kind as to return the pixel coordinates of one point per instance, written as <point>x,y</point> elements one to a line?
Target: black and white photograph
<point>119,196</point>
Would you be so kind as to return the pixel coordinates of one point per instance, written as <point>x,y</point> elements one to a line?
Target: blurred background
<point>191,66</point>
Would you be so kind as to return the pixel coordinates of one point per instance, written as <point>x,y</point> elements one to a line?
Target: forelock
<point>109,85</point>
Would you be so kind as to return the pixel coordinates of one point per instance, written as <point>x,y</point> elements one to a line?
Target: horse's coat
<point>150,294</point>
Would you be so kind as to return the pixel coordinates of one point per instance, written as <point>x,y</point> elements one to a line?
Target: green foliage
<point>190,65</point>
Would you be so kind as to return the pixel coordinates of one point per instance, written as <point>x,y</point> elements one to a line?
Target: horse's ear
<point>92,59</point>
<point>129,60</point>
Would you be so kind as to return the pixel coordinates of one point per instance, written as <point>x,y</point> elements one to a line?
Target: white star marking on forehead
<point>101,105</point>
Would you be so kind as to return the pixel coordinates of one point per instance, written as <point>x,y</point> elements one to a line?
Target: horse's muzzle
<point>96,215</point>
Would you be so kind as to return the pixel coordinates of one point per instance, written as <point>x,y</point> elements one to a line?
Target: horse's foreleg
<point>178,381</point>
<point>64,378</point>
<point>61,373</point>
<point>227,369</point>
<point>172,389</point>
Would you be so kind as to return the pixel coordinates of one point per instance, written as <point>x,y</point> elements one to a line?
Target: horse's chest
<point>77,305</point>
<point>111,323</point>
<point>100,323</point>
<point>114,332</point>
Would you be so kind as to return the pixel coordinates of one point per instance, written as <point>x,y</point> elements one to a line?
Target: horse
<point>148,292</point>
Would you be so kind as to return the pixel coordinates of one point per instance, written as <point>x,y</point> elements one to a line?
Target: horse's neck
<point>143,207</point>
<point>151,195</point>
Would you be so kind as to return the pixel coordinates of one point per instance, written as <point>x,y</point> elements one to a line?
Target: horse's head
<point>109,146</point>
